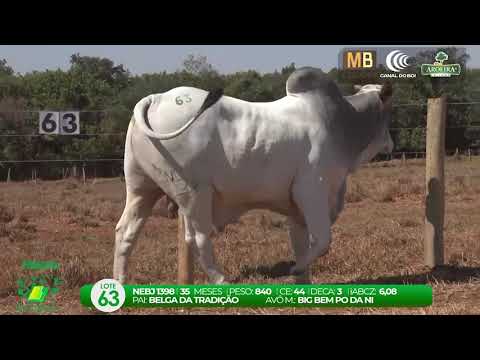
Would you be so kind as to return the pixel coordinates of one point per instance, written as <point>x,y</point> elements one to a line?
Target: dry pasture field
<point>377,239</point>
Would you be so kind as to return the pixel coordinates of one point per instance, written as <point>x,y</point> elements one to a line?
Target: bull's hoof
<point>219,279</point>
<point>303,280</point>
<point>297,271</point>
<point>302,277</point>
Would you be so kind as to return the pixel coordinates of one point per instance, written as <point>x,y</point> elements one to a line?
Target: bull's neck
<point>354,129</point>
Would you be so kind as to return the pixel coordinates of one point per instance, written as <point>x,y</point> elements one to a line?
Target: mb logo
<point>359,59</point>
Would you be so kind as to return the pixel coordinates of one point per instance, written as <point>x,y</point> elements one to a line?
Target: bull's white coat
<point>290,156</point>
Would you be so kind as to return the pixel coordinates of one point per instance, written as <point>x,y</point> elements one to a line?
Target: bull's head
<point>382,142</point>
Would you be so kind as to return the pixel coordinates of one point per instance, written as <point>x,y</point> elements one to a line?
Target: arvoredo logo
<point>36,289</point>
<point>439,69</point>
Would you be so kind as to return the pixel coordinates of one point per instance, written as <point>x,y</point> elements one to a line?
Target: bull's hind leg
<point>310,193</point>
<point>198,226</point>
<point>138,208</point>
<point>300,241</point>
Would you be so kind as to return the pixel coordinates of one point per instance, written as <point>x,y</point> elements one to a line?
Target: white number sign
<point>48,122</point>
<point>70,122</point>
<point>65,123</point>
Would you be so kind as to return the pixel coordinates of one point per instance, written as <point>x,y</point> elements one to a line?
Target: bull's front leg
<point>310,193</point>
<point>300,240</point>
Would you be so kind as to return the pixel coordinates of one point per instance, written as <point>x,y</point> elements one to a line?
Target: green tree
<point>4,68</point>
<point>102,69</point>
<point>248,86</point>
<point>197,65</point>
<point>287,70</point>
<point>93,83</point>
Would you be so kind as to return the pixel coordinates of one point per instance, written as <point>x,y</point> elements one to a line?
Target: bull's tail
<point>140,115</point>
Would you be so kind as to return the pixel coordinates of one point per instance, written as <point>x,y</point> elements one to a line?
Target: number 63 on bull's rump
<point>64,123</point>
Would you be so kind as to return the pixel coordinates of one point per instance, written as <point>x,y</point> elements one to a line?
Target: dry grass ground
<point>377,239</point>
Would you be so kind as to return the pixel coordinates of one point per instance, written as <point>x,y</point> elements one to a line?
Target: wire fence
<point>124,133</point>
<point>55,169</point>
<point>60,169</point>
<point>466,153</point>
<point>100,121</point>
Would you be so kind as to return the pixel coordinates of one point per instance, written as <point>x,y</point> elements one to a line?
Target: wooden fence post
<point>185,255</point>
<point>435,182</point>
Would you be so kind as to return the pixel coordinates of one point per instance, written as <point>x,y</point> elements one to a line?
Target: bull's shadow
<point>278,270</point>
<point>445,273</point>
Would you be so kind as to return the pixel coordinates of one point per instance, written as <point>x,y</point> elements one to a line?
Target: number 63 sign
<point>65,123</point>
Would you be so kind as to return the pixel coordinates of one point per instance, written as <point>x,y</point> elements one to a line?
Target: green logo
<point>38,294</point>
<point>36,289</point>
<point>39,265</point>
<point>439,69</point>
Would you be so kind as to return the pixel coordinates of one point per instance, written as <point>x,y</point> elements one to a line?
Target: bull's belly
<point>228,207</point>
<point>272,195</point>
<point>249,202</point>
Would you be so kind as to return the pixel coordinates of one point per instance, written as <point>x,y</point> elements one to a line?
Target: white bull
<point>217,157</point>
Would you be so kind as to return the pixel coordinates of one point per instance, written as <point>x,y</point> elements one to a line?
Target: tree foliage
<point>109,91</point>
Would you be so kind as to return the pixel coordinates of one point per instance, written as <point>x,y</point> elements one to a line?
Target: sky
<point>141,59</point>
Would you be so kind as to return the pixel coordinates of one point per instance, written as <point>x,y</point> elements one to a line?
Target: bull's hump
<point>308,79</point>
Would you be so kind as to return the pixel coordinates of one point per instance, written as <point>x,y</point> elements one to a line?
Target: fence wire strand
<point>393,156</point>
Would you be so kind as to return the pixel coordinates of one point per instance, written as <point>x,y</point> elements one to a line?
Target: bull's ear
<point>357,87</point>
<point>386,92</point>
